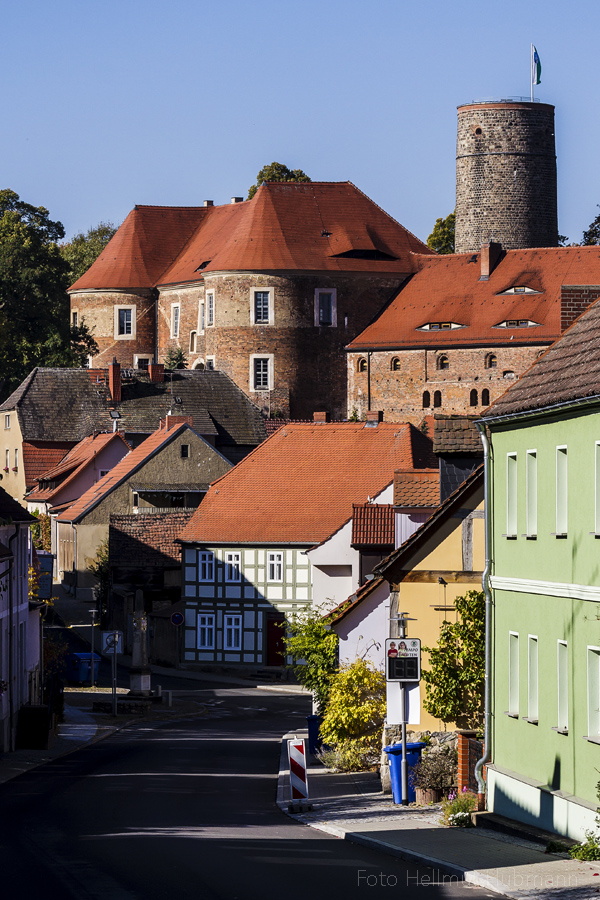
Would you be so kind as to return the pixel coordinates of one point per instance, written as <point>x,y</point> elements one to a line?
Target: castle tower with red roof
<point>506,176</point>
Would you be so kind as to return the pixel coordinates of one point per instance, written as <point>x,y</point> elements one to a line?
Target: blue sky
<point>112,103</point>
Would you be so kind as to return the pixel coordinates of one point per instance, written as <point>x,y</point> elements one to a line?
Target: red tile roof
<point>76,460</point>
<point>346,606</point>
<point>146,540</point>
<point>417,488</point>
<point>456,434</point>
<point>448,289</point>
<point>119,473</point>
<point>372,525</point>
<point>291,226</point>
<point>38,458</point>
<point>300,484</point>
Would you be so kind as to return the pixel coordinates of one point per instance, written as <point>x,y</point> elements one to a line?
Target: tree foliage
<point>313,648</point>
<point>454,682</point>
<point>276,172</point>
<point>592,235</point>
<point>84,249</point>
<point>356,707</point>
<point>175,358</point>
<point>34,324</point>
<point>100,569</point>
<point>441,238</point>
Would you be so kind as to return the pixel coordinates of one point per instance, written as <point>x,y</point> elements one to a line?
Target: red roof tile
<point>417,488</point>
<point>372,525</point>
<point>346,606</point>
<point>293,226</point>
<point>73,463</point>
<point>447,289</point>
<point>300,484</point>
<point>37,459</point>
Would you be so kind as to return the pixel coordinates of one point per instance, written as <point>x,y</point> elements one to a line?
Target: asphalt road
<point>185,811</point>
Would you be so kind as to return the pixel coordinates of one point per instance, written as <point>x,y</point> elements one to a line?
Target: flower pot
<point>430,795</point>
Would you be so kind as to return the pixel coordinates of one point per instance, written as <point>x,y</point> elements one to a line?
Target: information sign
<point>112,642</point>
<point>403,659</point>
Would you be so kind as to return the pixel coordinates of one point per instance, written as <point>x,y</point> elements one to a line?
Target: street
<point>181,810</point>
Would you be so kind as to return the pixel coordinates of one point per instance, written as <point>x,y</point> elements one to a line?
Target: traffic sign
<point>112,641</point>
<point>403,659</point>
<point>177,618</point>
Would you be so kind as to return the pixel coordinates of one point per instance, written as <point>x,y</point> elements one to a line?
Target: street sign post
<point>177,618</point>
<point>112,644</point>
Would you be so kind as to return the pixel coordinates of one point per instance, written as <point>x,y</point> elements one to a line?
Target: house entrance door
<point>275,645</point>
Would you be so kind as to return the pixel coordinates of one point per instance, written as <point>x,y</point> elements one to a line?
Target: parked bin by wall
<point>78,667</point>
<point>314,740</point>
<point>413,755</point>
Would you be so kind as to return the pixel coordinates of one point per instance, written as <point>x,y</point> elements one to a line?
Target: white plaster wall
<point>366,628</point>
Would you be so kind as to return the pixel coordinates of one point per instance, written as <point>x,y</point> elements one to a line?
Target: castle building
<point>268,290</point>
<point>465,327</point>
<point>505,175</point>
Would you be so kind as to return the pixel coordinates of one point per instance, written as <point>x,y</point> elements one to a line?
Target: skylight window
<point>440,326</point>
<point>516,323</point>
<point>519,289</point>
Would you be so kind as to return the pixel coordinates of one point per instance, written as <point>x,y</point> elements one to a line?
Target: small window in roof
<point>520,289</point>
<point>439,326</point>
<point>377,255</point>
<point>516,323</point>
<point>203,265</point>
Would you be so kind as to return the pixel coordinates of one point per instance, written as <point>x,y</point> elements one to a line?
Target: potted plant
<point>434,774</point>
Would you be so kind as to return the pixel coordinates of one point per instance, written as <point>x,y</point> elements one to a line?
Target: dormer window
<point>516,323</point>
<point>519,289</point>
<point>440,326</point>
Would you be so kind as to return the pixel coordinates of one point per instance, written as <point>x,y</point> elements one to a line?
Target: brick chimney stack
<point>114,380</point>
<point>156,372</point>
<point>490,255</point>
<point>374,417</point>
<point>320,417</point>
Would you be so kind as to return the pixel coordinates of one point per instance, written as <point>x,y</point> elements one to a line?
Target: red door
<point>275,645</point>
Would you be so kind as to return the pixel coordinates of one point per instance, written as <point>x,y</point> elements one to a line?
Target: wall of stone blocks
<point>96,309</point>
<point>399,392</point>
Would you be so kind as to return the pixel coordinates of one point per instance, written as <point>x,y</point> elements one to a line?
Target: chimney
<point>490,255</point>
<point>237,199</point>
<point>321,417</point>
<point>373,418</point>
<point>156,372</point>
<point>114,380</point>
<point>209,203</point>
<point>171,421</point>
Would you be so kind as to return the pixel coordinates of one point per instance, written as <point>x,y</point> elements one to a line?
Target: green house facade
<point>544,503</point>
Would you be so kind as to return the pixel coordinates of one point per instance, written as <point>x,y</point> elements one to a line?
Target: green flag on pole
<point>536,67</point>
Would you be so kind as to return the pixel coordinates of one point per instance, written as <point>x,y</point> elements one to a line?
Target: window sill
<point>593,739</point>
<point>531,721</point>
<point>559,535</point>
<point>511,715</point>
<point>530,537</point>
<point>595,534</point>
<point>510,537</point>
<point>560,730</point>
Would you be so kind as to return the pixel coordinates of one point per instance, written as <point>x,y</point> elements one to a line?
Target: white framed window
<point>210,308</point>
<point>232,566</point>
<point>135,500</point>
<point>511,494</point>
<point>593,691</point>
<point>531,492</point>
<point>16,457</point>
<point>232,632</point>
<point>513,674</point>
<point>141,362</point>
<point>562,677</point>
<point>561,491</point>
<point>532,678</point>
<point>206,566</point>
<point>201,317</point>
<point>185,451</point>
<point>206,631</point>
<point>275,566</point>
<point>261,372</point>
<point>7,421</point>
<point>210,362</point>
<point>326,307</point>
<point>74,318</point>
<point>125,323</point>
<point>261,306</point>
<point>7,460</point>
<point>175,310</point>
<point>193,336</point>
<point>103,472</point>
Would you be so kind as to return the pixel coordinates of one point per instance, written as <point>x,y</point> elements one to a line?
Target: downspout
<point>487,750</point>
<point>368,380</point>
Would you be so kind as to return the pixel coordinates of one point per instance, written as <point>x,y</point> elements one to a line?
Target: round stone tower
<point>506,175</point>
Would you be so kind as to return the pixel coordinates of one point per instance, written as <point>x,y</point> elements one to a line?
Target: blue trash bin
<point>314,740</point>
<point>413,755</point>
<point>78,667</point>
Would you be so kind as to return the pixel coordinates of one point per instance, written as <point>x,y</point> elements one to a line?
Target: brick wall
<point>97,310</point>
<point>574,300</point>
<point>399,391</point>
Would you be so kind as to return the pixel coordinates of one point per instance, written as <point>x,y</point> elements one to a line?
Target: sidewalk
<point>351,806</point>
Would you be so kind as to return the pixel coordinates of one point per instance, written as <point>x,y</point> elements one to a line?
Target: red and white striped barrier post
<point>298,774</point>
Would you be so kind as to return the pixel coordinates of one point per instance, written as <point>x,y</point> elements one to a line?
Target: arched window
<point>361,366</point>
<point>437,398</point>
<point>192,341</point>
<point>473,398</point>
<point>426,399</point>
<point>491,361</point>
<point>443,362</point>
<point>485,397</point>
<point>395,366</point>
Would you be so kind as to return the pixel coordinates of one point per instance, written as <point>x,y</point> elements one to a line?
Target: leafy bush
<point>436,770</point>
<point>314,651</point>
<point>588,849</point>
<point>355,709</point>
<point>457,809</point>
<point>347,756</point>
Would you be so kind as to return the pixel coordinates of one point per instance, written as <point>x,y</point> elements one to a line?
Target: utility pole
<point>93,612</point>
<point>404,764</point>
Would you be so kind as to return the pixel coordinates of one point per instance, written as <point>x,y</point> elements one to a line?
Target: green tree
<point>313,648</point>
<point>441,238</point>
<point>276,172</point>
<point>175,358</point>
<point>34,327</point>
<point>592,235</point>
<point>355,711</point>
<point>84,249</point>
<point>100,569</point>
<point>454,682</point>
